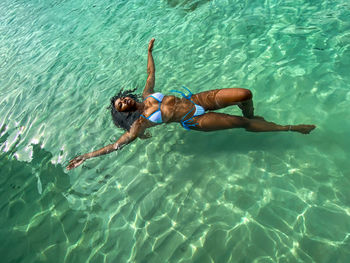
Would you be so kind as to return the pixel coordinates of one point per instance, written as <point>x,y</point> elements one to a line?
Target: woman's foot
<point>302,128</point>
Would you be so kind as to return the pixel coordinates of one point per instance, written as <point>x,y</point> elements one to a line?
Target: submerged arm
<point>136,129</point>
<point>150,71</point>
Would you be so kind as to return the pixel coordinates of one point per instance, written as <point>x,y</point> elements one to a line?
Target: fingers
<point>69,167</point>
<point>74,165</point>
<point>75,162</point>
<point>77,158</point>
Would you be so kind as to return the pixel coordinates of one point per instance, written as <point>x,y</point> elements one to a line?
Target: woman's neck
<point>140,106</point>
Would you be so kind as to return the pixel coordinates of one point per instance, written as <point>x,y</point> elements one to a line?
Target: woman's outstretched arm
<point>150,71</point>
<point>136,129</point>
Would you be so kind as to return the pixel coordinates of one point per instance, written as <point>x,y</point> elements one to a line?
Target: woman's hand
<point>150,45</point>
<point>76,162</point>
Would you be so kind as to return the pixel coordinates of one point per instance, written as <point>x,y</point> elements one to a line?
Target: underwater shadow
<point>28,180</point>
<point>237,141</point>
<point>31,193</point>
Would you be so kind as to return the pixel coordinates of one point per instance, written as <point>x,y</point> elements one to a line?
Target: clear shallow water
<point>229,196</point>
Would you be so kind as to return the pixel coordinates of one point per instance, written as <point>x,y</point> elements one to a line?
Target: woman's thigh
<point>213,121</point>
<point>221,98</point>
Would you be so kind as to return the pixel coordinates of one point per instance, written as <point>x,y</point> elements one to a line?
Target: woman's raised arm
<point>136,129</point>
<point>150,71</point>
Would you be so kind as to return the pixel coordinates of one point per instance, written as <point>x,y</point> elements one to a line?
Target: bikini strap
<point>183,94</point>
<point>185,123</point>
<point>146,97</point>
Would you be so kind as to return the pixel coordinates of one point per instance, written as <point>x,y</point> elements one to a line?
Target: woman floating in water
<point>191,111</point>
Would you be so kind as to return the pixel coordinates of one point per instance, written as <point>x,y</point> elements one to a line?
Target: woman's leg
<point>221,98</point>
<point>212,121</point>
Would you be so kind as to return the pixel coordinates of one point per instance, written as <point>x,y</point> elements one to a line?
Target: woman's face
<point>125,104</point>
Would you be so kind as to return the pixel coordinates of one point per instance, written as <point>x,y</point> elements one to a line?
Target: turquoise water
<point>228,196</point>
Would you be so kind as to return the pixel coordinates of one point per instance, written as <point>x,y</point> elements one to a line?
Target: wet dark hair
<point>124,120</point>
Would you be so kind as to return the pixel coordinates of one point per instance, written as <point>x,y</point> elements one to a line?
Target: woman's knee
<point>239,94</point>
<point>247,94</point>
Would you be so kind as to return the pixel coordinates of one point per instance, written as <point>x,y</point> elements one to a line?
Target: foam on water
<point>228,196</point>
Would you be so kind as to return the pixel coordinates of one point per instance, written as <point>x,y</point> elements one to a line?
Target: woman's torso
<point>172,108</point>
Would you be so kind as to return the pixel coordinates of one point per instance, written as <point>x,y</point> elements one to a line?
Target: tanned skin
<point>173,109</point>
